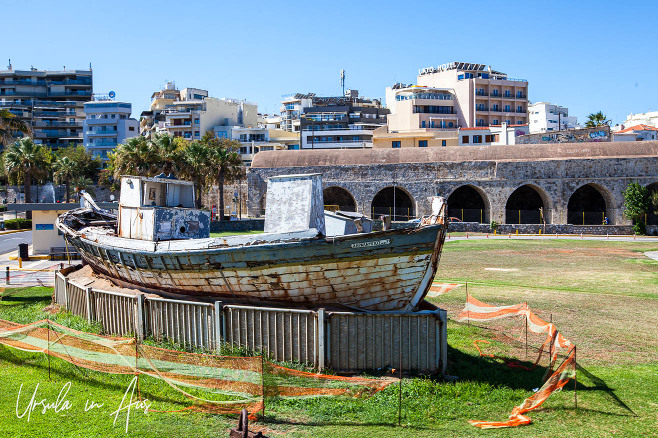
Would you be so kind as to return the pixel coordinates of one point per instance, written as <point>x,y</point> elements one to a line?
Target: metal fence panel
<point>116,312</point>
<point>362,341</point>
<point>283,334</point>
<point>184,322</point>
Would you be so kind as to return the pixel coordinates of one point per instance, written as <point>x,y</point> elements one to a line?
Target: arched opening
<point>525,206</point>
<point>394,202</point>
<point>337,198</point>
<point>587,206</point>
<point>652,218</point>
<point>468,205</point>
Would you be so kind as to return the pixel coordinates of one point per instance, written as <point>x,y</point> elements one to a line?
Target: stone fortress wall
<point>554,171</point>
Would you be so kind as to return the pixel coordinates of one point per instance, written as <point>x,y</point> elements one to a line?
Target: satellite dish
<point>111,94</point>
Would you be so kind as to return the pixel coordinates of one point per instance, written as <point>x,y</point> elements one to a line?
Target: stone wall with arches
<point>508,188</point>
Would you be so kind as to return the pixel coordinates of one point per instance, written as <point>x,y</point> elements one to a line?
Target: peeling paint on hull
<point>387,270</point>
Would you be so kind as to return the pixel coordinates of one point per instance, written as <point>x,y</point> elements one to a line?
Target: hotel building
<point>482,96</point>
<point>107,124</point>
<point>51,102</point>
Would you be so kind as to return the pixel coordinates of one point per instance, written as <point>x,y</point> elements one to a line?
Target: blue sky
<point>585,55</point>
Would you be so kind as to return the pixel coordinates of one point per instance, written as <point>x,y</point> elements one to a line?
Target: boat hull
<point>387,270</point>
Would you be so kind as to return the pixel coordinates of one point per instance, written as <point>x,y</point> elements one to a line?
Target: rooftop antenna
<point>9,67</point>
<point>342,80</point>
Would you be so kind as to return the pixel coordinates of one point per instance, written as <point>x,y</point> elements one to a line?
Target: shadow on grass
<point>68,371</point>
<point>496,373</point>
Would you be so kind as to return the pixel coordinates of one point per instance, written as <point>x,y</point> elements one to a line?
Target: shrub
<point>639,228</point>
<point>18,224</point>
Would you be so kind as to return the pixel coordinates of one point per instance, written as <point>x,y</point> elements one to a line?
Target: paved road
<point>9,242</point>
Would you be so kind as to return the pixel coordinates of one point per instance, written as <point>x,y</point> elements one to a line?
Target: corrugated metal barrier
<point>343,341</point>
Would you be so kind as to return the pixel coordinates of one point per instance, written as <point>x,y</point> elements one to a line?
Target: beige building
<point>190,119</point>
<point>384,138</point>
<point>482,96</point>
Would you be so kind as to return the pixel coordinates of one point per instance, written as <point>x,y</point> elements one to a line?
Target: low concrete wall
<point>242,225</point>
<point>474,227</point>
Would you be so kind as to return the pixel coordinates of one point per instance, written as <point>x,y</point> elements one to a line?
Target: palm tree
<point>597,119</point>
<point>134,157</point>
<point>226,164</point>
<point>26,160</point>
<point>166,149</point>
<point>196,166</point>
<point>83,183</point>
<point>64,171</point>
<point>9,125</point>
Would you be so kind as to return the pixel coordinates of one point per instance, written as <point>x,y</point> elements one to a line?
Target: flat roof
<point>525,152</point>
<point>162,180</point>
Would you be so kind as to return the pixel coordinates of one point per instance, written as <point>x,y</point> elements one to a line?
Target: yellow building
<point>384,138</point>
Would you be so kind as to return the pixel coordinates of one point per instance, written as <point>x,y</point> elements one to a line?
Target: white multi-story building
<point>649,118</point>
<point>191,118</point>
<point>106,124</point>
<point>545,117</point>
<point>292,107</point>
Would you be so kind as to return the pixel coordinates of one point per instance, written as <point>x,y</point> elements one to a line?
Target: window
<point>507,108</point>
<point>131,128</point>
<point>496,107</point>
<point>519,122</point>
<point>495,122</point>
<point>519,109</point>
<point>460,77</point>
<point>443,142</point>
<point>450,124</point>
<point>196,121</point>
<point>465,139</point>
<point>422,124</point>
<point>396,144</point>
<point>494,92</point>
<point>489,138</point>
<point>477,139</point>
<point>114,116</point>
<point>422,143</point>
<point>197,134</point>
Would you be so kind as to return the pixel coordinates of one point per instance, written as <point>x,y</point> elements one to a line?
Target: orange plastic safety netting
<point>478,311</point>
<point>219,384</point>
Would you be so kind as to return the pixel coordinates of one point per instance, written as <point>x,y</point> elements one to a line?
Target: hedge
<point>18,224</point>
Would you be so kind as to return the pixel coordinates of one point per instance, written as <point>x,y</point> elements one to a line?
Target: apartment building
<point>51,102</point>
<point>482,96</point>
<point>191,118</point>
<point>341,122</point>
<point>648,118</point>
<point>107,123</point>
<point>269,121</point>
<point>545,117</point>
<point>292,107</point>
<point>153,120</point>
<point>254,140</point>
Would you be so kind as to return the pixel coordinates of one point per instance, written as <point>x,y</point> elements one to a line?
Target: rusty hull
<point>386,270</point>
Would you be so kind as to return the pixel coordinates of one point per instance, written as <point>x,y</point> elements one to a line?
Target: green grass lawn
<point>601,295</point>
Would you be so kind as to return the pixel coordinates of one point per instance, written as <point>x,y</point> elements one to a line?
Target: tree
<point>654,202</point>
<point>596,119</point>
<point>196,166</point>
<point>26,160</point>
<point>86,163</point>
<point>167,149</point>
<point>226,163</point>
<point>83,183</point>
<point>9,126</point>
<point>636,204</point>
<point>64,170</point>
<point>134,157</point>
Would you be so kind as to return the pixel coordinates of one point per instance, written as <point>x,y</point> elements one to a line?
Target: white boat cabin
<point>160,208</point>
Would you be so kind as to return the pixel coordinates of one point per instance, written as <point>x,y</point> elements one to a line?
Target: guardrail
<point>344,341</point>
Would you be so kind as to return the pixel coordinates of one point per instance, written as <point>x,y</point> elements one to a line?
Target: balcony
<point>40,124</point>
<point>53,134</point>
<point>102,144</point>
<point>86,81</point>
<point>169,125</point>
<point>39,82</point>
<point>102,133</point>
<point>481,93</point>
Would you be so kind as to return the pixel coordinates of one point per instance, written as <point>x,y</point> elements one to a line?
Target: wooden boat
<point>382,270</point>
